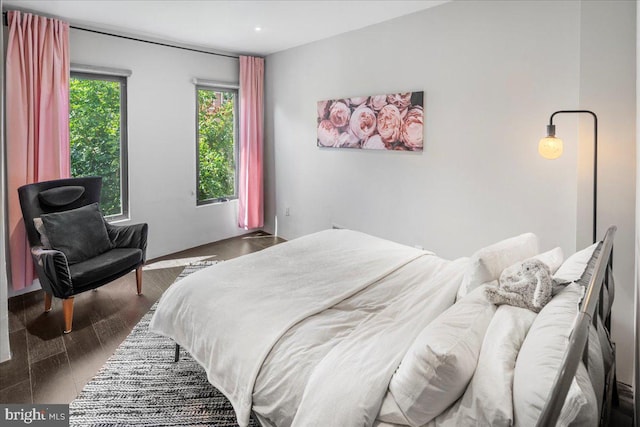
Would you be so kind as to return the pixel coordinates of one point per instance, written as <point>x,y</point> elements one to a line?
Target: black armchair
<point>74,249</point>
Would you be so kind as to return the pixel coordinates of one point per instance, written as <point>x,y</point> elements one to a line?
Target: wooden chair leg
<point>67,309</point>
<point>139,280</point>
<point>47,302</point>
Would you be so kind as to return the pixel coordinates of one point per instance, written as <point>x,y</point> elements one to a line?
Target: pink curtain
<point>250,190</point>
<point>37,85</point>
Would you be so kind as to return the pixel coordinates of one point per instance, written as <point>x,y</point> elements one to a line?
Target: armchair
<point>73,248</point>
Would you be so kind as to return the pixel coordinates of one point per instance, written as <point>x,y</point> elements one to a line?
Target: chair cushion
<point>78,233</point>
<point>104,266</point>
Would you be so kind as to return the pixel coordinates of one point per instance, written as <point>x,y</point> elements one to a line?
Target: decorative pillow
<point>488,399</point>
<point>487,263</point>
<point>572,269</point>
<point>526,284</point>
<point>440,363</point>
<point>37,223</point>
<point>553,259</point>
<point>79,233</point>
<point>538,361</point>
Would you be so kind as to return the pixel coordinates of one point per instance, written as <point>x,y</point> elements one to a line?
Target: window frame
<point>124,152</point>
<point>236,146</point>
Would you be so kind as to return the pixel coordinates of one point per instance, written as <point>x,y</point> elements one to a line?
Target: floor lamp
<point>550,147</point>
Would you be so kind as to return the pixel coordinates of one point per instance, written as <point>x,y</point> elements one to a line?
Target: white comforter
<point>340,307</point>
<point>334,368</point>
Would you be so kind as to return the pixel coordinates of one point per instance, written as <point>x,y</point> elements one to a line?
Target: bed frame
<point>597,301</point>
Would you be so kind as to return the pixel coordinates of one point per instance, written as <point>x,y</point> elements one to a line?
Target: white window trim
<point>95,69</point>
<point>102,73</point>
<point>212,84</point>
<point>223,87</point>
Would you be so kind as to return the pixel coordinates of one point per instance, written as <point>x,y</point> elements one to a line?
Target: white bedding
<point>334,368</point>
<point>310,333</point>
<point>231,315</point>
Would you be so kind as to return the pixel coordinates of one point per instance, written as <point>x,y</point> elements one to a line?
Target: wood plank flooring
<point>51,367</point>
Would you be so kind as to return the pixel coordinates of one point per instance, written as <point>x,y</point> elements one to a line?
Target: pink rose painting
<point>379,122</point>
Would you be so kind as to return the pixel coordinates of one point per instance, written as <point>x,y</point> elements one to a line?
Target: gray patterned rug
<point>140,385</point>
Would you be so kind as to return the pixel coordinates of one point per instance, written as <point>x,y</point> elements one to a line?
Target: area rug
<point>140,385</point>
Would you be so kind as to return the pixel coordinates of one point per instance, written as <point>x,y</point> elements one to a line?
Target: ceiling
<point>226,25</point>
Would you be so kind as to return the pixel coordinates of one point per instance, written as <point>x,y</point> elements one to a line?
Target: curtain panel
<point>250,185</point>
<point>37,125</point>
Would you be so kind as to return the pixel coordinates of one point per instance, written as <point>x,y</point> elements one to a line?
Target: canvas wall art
<point>378,122</point>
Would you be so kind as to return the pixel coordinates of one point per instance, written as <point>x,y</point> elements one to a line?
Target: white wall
<point>607,86</point>
<point>492,73</point>
<point>161,137</point>
<point>486,70</point>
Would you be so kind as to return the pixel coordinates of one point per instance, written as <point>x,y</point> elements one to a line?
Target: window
<point>216,144</point>
<point>98,136</point>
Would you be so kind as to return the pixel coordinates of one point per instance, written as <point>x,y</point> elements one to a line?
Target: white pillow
<point>580,407</point>
<point>605,346</point>
<point>439,364</point>
<point>596,366</point>
<point>572,269</point>
<point>553,259</point>
<point>488,399</point>
<point>390,413</point>
<point>487,263</point>
<point>538,362</point>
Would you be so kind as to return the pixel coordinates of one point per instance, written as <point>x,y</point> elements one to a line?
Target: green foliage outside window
<point>216,144</point>
<point>94,136</point>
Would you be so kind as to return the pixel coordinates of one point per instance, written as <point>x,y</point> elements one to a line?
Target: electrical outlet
<point>287,212</point>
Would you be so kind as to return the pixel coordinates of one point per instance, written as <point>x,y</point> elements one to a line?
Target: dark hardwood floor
<point>48,366</point>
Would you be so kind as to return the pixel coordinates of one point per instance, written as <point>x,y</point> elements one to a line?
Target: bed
<point>340,328</point>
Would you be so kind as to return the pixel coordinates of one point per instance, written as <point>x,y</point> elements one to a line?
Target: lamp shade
<point>550,147</point>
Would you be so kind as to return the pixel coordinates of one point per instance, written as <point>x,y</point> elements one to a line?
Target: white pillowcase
<point>538,361</point>
<point>553,259</point>
<point>572,269</point>
<point>487,263</point>
<point>441,361</point>
<point>596,366</point>
<point>605,346</point>
<point>488,399</point>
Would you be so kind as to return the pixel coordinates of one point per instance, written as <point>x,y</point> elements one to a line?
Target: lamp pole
<point>595,158</point>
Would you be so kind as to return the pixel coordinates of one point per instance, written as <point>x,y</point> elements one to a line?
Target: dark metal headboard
<point>591,307</point>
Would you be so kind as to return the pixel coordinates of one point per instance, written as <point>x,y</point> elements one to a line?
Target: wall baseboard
<point>31,288</point>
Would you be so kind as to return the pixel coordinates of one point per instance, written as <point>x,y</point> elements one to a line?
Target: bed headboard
<point>596,303</point>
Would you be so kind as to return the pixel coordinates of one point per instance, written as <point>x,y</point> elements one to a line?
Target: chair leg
<point>67,309</point>
<point>47,302</point>
<point>139,280</point>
